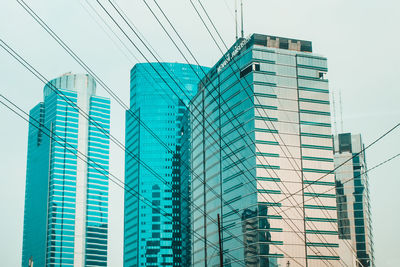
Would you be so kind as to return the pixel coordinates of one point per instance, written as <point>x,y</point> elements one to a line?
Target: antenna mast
<point>236,20</point>
<point>341,110</point>
<point>334,112</point>
<point>241,7</point>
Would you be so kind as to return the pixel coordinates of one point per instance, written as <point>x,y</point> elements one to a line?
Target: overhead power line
<point>60,140</point>
<point>113,19</point>
<point>112,138</point>
<point>188,62</point>
<point>196,61</point>
<point>117,11</point>
<point>361,174</point>
<point>112,94</point>
<point>356,154</point>
<point>308,185</point>
<point>167,34</point>
<point>377,140</point>
<point>86,116</point>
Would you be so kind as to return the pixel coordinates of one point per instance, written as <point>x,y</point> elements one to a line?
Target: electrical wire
<point>355,155</point>
<point>363,173</point>
<point>174,30</point>
<point>216,43</point>
<point>112,95</point>
<point>88,160</point>
<point>86,116</point>
<point>125,21</point>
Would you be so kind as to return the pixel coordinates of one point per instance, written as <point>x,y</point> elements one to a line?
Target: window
<point>250,68</point>
<point>246,71</point>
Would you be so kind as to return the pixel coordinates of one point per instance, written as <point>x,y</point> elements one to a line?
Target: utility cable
<point>68,100</point>
<point>363,173</point>
<point>89,161</point>
<point>271,122</point>
<point>175,32</point>
<point>120,14</point>
<point>70,54</point>
<point>122,17</point>
<point>215,42</point>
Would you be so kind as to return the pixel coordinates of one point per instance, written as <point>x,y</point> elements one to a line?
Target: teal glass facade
<point>185,189</point>
<point>152,238</point>
<point>260,143</point>
<point>354,210</point>
<point>66,199</point>
<point>36,191</point>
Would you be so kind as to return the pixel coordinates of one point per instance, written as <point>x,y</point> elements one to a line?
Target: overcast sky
<point>360,38</point>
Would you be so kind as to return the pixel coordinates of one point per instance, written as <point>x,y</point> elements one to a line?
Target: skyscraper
<point>261,148</point>
<point>66,199</point>
<point>152,235</point>
<point>354,215</point>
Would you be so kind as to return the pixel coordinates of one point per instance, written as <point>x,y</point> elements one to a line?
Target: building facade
<point>159,97</point>
<point>354,214</point>
<point>261,149</point>
<point>66,198</point>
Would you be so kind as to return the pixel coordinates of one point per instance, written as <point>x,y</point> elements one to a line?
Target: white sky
<point>360,38</point>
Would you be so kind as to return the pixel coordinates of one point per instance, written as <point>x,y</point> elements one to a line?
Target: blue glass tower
<point>66,199</point>
<point>151,238</point>
<point>353,201</point>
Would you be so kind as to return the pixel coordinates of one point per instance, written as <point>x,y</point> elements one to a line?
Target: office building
<point>159,96</point>
<point>66,199</point>
<point>261,149</point>
<point>354,215</point>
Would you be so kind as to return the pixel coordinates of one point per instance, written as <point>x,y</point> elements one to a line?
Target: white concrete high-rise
<point>261,149</point>
<point>66,198</point>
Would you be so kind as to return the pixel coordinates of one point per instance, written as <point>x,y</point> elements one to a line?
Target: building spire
<point>341,110</point>
<point>334,112</point>
<point>236,20</point>
<point>241,13</point>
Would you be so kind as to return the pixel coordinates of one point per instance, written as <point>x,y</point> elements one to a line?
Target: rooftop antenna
<point>241,13</point>
<point>334,112</point>
<point>236,21</point>
<point>341,110</point>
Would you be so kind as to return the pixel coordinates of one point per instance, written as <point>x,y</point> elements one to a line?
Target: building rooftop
<point>243,44</point>
<point>280,42</point>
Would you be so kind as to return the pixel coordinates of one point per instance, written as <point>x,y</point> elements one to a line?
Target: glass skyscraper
<point>261,149</point>
<point>152,235</point>
<point>66,199</point>
<point>354,215</point>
